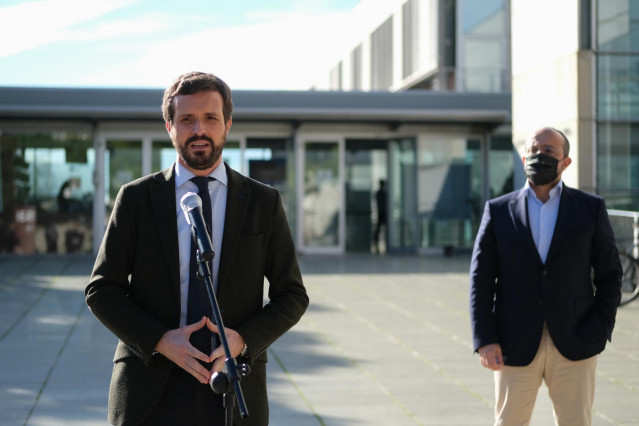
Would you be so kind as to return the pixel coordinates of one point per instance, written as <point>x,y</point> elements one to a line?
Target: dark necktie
<point>198,299</point>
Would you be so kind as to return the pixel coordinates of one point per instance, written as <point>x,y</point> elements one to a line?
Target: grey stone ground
<point>385,341</point>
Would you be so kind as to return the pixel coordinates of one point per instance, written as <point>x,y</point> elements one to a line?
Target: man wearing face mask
<point>545,284</point>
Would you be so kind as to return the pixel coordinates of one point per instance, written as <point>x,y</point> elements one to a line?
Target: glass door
<point>402,196</point>
<point>321,224</point>
<point>366,204</point>
<point>123,163</point>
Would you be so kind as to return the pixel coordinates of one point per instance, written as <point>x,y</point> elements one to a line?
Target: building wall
<point>60,178</point>
<point>443,45</point>
<point>553,81</point>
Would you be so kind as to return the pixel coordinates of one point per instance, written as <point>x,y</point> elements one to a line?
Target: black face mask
<point>541,168</point>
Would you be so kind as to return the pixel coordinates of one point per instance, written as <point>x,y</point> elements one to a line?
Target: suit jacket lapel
<point>519,214</point>
<point>563,220</point>
<point>163,207</point>
<point>237,199</point>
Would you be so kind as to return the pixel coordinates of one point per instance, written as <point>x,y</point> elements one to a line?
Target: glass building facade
<point>617,46</point>
<point>483,50</point>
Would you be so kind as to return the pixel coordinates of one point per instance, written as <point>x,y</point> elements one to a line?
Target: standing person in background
<point>381,199</point>
<point>545,283</point>
<point>143,289</point>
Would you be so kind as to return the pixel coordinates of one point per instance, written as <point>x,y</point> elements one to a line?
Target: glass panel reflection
<point>46,201</point>
<point>321,195</point>
<point>123,163</point>
<point>272,161</point>
<point>162,155</point>
<point>618,165</point>
<point>618,88</point>
<point>618,25</point>
<point>232,156</point>
<point>402,200</point>
<point>450,175</point>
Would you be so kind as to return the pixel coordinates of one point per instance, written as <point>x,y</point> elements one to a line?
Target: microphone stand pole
<point>226,382</point>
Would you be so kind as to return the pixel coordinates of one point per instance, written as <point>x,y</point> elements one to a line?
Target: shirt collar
<point>556,191</point>
<point>182,174</point>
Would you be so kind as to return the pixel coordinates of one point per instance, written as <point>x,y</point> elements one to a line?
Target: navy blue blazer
<point>576,292</point>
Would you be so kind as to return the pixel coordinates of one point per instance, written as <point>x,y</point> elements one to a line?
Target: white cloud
<point>118,28</point>
<point>32,24</point>
<point>290,53</point>
<point>291,49</point>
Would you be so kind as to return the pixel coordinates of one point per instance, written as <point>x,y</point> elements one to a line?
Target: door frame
<point>301,140</point>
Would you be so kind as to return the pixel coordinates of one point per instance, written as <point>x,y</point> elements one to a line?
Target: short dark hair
<point>566,143</point>
<point>194,82</point>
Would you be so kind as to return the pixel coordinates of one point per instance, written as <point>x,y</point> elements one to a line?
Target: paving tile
<point>385,341</point>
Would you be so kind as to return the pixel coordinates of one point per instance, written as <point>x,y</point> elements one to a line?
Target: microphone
<point>191,205</point>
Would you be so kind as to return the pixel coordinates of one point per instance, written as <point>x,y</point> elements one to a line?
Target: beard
<point>200,160</point>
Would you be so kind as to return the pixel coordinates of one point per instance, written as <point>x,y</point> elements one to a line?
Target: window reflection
<point>484,41</point>
<point>271,161</point>
<point>618,87</point>
<point>123,163</point>
<point>618,25</point>
<point>321,195</point>
<point>162,155</point>
<point>46,201</point>
<point>618,165</point>
<point>450,176</point>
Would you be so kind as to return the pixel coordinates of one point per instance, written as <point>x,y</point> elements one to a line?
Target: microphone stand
<point>227,381</point>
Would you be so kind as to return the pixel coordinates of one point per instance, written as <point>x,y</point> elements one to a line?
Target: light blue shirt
<point>543,217</point>
<point>218,189</point>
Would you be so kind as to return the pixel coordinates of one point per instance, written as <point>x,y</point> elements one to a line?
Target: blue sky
<point>251,44</point>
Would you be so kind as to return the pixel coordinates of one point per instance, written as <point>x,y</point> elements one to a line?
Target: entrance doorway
<point>366,168</point>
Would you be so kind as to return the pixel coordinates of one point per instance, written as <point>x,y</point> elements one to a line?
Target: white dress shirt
<point>218,189</point>
<point>543,217</point>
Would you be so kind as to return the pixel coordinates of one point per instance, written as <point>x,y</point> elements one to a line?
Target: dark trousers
<point>186,402</point>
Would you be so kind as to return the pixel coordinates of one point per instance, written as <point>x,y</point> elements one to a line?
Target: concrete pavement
<point>385,341</point>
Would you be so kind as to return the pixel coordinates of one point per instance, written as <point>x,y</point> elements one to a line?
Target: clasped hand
<point>175,345</point>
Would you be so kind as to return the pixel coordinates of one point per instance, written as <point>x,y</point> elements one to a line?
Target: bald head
<point>549,141</point>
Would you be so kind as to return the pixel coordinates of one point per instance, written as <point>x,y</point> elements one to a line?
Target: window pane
<point>618,87</point>
<point>321,195</point>
<point>46,201</point>
<point>272,161</point>
<point>450,173</point>
<point>483,65</point>
<point>162,155</point>
<point>618,25</point>
<point>402,202</point>
<point>123,163</point>
<point>502,160</point>
<point>618,165</point>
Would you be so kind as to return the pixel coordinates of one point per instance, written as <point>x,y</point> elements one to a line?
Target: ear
<point>567,161</point>
<point>228,125</point>
<point>168,126</point>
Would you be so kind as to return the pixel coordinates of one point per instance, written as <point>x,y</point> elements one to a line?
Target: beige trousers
<point>571,386</point>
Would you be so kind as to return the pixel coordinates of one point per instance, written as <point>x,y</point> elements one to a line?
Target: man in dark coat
<point>141,283</point>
